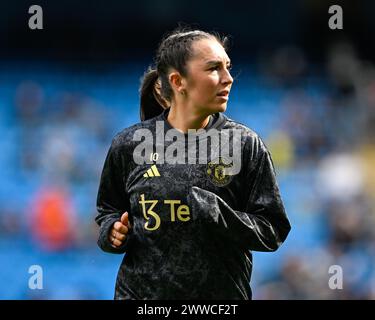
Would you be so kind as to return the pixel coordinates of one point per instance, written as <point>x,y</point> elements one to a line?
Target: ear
<point>177,81</point>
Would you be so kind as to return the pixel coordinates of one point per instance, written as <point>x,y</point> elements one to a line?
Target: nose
<point>227,78</point>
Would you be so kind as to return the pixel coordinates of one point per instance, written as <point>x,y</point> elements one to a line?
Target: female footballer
<point>187,212</point>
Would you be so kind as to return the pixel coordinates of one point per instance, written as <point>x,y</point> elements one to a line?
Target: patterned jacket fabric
<point>193,225</point>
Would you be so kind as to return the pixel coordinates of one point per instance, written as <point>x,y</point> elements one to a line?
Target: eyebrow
<point>216,62</point>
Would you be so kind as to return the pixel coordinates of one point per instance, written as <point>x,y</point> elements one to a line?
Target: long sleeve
<point>111,201</point>
<point>263,225</point>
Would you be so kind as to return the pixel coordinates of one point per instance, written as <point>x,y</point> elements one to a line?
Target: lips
<point>223,93</point>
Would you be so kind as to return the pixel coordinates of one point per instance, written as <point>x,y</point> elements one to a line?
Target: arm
<point>111,201</point>
<point>263,225</point>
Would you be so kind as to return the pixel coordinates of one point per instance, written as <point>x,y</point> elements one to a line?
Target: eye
<point>219,66</point>
<point>214,68</point>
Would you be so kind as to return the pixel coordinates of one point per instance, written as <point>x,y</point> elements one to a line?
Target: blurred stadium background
<point>67,89</point>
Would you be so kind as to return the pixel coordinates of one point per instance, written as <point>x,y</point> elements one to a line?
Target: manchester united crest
<point>217,171</point>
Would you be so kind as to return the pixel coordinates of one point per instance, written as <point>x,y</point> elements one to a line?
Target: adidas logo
<point>152,172</point>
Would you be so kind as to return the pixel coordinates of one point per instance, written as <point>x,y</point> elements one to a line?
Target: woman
<point>188,223</point>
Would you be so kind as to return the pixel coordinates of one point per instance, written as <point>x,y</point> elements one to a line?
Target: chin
<point>215,108</point>
<point>222,107</point>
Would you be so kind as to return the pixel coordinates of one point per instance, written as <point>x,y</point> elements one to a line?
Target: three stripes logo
<point>152,172</point>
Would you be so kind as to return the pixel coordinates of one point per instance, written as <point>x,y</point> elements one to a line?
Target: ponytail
<point>152,103</point>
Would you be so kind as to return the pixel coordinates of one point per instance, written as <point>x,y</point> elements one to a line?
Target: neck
<point>184,120</point>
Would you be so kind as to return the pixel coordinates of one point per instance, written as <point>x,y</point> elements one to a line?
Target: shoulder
<point>251,139</point>
<point>125,137</point>
<point>255,151</point>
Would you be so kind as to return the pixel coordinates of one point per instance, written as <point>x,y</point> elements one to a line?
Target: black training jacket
<point>193,225</point>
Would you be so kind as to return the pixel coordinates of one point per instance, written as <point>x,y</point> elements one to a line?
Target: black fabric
<point>208,256</point>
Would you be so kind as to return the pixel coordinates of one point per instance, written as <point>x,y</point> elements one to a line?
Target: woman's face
<point>208,81</point>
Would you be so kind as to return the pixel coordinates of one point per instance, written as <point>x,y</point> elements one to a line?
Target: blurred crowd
<point>317,120</point>
<point>331,135</point>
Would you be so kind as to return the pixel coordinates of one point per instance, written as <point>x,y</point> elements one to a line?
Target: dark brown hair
<point>173,52</point>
